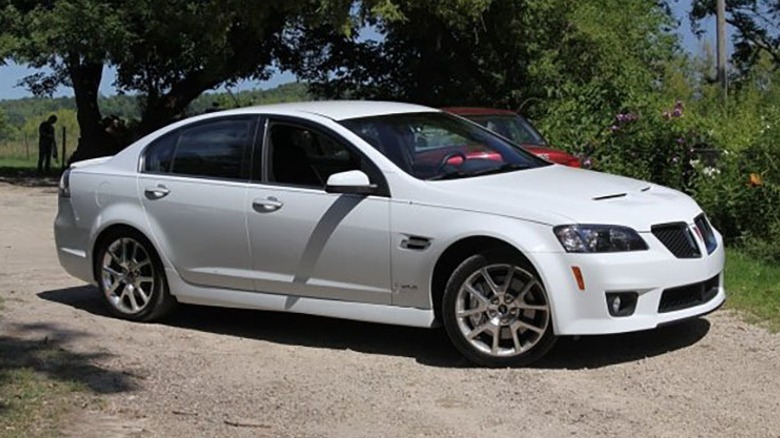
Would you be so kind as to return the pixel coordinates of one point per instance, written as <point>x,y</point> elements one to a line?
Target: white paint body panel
<point>343,255</point>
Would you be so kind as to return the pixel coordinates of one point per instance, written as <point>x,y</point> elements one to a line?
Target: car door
<point>193,187</point>
<point>306,242</point>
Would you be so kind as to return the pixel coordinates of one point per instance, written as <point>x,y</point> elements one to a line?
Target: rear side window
<point>213,149</point>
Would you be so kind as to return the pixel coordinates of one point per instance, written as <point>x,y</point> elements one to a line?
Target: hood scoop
<point>616,195</point>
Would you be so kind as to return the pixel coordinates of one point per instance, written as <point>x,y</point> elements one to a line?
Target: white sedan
<point>384,212</point>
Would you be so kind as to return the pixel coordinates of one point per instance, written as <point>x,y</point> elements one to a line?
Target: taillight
<point>65,184</point>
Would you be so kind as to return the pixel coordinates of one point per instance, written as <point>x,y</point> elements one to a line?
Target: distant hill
<point>19,111</point>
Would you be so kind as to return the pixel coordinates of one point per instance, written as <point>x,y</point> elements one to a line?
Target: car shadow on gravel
<point>41,348</point>
<point>428,347</point>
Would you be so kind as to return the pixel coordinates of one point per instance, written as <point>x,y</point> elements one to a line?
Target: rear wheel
<point>131,277</point>
<point>496,311</point>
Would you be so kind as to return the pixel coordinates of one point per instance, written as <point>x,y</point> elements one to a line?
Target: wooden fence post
<point>64,148</point>
<point>26,147</point>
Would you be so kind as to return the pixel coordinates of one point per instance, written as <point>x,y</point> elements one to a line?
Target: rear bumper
<point>71,241</point>
<point>646,273</point>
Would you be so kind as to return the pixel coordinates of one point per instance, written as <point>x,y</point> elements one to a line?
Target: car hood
<point>558,194</point>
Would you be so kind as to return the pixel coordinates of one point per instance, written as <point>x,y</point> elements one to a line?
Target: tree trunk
<point>93,141</point>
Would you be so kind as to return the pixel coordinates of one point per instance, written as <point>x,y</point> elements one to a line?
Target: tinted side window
<point>214,149</point>
<point>159,155</point>
<point>217,149</point>
<point>305,157</point>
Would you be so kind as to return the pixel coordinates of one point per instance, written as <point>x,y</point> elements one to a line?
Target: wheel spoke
<point>140,280</point>
<point>496,339</point>
<point>144,296</point>
<point>508,280</point>
<point>144,263</point>
<point>471,312</point>
<point>134,256</point>
<point>528,326</point>
<point>114,257</point>
<point>470,289</point>
<point>112,271</point>
<point>131,294</point>
<point>480,329</point>
<point>539,307</point>
<point>113,288</point>
<point>516,339</point>
<point>527,288</point>
<point>490,282</point>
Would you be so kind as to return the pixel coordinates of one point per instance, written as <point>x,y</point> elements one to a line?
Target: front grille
<point>683,297</point>
<point>678,239</point>
<point>707,234</point>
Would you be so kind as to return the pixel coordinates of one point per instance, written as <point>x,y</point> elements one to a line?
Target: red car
<point>514,127</point>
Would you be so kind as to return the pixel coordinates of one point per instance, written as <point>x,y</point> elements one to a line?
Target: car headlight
<point>589,238</point>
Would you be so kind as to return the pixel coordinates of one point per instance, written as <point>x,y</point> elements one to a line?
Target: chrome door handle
<point>156,192</point>
<point>267,205</point>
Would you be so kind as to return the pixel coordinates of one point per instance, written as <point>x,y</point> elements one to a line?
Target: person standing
<point>47,144</point>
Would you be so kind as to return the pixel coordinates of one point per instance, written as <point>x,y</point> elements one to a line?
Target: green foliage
<point>293,92</point>
<point>24,115</point>
<point>618,53</point>
<point>7,130</point>
<point>741,195</point>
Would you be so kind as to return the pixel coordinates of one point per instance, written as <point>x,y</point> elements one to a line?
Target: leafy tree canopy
<point>587,58</point>
<point>756,24</point>
<point>169,52</point>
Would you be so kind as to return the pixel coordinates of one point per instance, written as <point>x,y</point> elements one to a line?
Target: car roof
<point>477,111</point>
<point>337,109</point>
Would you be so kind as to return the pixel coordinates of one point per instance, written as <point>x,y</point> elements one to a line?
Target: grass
<point>34,395</point>
<point>32,404</point>
<point>753,287</point>
<point>16,162</point>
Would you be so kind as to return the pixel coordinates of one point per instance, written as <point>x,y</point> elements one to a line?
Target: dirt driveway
<point>217,372</point>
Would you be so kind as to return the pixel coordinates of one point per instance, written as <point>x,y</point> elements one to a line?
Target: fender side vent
<point>416,243</point>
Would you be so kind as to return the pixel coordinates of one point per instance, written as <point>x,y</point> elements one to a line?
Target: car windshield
<point>438,145</point>
<point>510,126</point>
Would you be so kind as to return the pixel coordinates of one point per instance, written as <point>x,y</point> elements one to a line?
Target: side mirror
<point>353,181</point>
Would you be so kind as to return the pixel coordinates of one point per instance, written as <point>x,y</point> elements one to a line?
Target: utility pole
<point>721,33</point>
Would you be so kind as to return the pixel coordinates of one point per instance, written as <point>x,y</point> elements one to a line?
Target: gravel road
<point>219,372</point>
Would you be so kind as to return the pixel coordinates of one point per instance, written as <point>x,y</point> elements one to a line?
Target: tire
<point>494,322</point>
<point>131,277</point>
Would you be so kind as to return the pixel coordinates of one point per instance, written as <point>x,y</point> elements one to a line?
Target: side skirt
<point>379,313</point>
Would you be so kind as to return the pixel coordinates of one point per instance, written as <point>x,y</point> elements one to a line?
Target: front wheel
<point>131,277</point>
<point>496,311</point>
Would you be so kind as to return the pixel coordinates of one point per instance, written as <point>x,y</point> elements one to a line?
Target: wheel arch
<point>459,251</point>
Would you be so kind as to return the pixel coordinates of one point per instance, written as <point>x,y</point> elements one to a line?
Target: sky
<point>11,74</point>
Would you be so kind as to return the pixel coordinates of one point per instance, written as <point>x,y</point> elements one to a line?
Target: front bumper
<point>647,273</point>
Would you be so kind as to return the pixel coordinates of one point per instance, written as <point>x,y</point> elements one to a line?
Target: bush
<point>738,186</point>
<point>741,196</point>
<point>652,144</point>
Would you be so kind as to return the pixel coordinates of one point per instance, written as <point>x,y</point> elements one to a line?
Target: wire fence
<point>24,152</point>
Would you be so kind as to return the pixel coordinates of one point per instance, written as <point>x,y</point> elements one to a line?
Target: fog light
<point>621,303</point>
<point>616,305</point>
